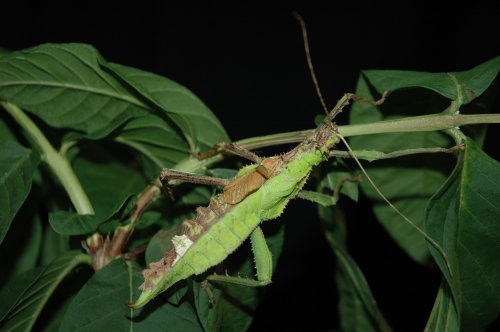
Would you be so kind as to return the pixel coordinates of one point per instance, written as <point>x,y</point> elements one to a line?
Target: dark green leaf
<point>444,316</point>
<point>17,165</point>
<point>197,196</point>
<point>53,246</point>
<point>358,309</point>
<point>108,185</point>
<point>200,127</point>
<point>462,86</point>
<point>463,218</point>
<point>147,219</point>
<point>155,140</point>
<point>100,305</point>
<point>21,248</point>
<point>23,299</point>
<point>72,223</point>
<point>65,86</point>
<point>225,173</point>
<point>13,291</point>
<point>346,182</point>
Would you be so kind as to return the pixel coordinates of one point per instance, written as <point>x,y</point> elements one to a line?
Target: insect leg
<point>231,148</point>
<point>263,257</point>
<point>168,175</point>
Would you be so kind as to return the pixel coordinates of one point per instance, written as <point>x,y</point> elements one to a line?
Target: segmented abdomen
<point>220,240</point>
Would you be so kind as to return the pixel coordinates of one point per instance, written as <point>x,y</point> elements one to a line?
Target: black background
<point>247,63</point>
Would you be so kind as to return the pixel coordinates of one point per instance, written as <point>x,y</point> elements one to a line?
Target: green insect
<point>259,192</point>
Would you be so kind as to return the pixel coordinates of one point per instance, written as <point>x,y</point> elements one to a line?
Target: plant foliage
<point>113,128</point>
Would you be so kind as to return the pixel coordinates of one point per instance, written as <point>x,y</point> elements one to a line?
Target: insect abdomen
<point>220,240</point>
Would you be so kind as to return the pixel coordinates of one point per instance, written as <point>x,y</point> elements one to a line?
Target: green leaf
<point>410,182</point>
<point>147,219</point>
<point>348,183</point>
<point>17,165</point>
<point>198,124</point>
<point>23,299</point>
<point>225,173</point>
<point>20,250</point>
<point>462,86</point>
<point>155,140</point>
<point>463,218</point>
<point>13,291</point>
<point>358,309</point>
<point>444,316</point>
<point>100,305</point>
<point>65,85</point>
<point>53,245</point>
<point>72,223</point>
<point>196,197</point>
<point>108,185</point>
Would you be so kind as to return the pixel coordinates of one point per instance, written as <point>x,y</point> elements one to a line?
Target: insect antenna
<point>309,61</point>
<point>343,102</point>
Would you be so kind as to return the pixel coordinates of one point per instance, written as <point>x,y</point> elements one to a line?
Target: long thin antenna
<point>309,61</point>
<point>337,109</point>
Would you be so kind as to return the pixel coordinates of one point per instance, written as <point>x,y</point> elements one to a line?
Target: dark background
<point>247,64</point>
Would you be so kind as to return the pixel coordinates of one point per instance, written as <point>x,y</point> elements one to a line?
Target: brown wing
<point>242,186</point>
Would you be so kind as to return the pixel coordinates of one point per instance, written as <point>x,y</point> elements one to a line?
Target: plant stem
<point>58,163</point>
<point>372,155</point>
<point>432,122</point>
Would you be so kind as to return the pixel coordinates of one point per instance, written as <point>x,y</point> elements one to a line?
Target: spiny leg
<point>167,175</point>
<point>263,257</point>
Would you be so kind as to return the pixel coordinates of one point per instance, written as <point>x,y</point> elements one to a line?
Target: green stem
<point>58,163</point>
<point>372,155</point>
<point>432,122</point>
